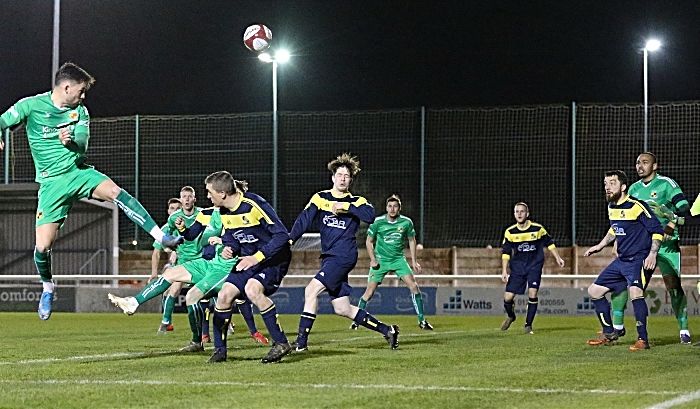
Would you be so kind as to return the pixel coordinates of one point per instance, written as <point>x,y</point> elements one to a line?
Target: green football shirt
<point>389,236</point>
<point>44,120</point>
<point>188,250</point>
<point>661,190</point>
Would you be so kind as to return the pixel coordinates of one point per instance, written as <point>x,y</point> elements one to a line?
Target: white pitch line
<point>402,335</point>
<point>335,386</point>
<point>88,357</point>
<point>155,353</point>
<point>689,397</point>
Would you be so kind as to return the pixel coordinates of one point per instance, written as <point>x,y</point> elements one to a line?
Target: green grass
<point>114,361</point>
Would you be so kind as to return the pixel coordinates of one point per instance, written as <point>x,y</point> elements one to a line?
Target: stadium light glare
<point>653,45</point>
<point>265,57</point>
<point>282,56</point>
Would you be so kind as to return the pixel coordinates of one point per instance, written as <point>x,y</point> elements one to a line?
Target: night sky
<point>187,57</point>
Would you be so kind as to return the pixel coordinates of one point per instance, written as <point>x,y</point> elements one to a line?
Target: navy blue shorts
<point>519,281</point>
<point>334,274</point>
<point>619,275</point>
<point>270,277</point>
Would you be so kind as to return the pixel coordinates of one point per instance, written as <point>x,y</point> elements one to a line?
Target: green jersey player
<point>661,190</point>
<point>58,129</point>
<point>187,251</point>
<point>390,232</point>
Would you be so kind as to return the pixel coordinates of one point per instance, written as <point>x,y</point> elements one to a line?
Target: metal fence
<point>458,171</point>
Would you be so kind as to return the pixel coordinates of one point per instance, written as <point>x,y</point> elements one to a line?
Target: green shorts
<point>669,258</point>
<point>399,267</point>
<point>210,275</point>
<point>57,194</point>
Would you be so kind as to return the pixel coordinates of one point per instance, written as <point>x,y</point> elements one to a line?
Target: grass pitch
<point>114,361</point>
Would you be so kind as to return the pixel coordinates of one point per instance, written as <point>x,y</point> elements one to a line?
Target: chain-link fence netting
<point>475,163</point>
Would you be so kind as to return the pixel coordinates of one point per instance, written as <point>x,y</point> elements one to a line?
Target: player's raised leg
<point>109,191</point>
<point>154,289</point>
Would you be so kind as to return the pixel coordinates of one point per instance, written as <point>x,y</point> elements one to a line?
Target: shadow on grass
<point>665,340</point>
<point>317,353</point>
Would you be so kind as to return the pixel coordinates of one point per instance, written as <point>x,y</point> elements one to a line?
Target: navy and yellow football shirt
<point>251,228</point>
<point>634,226</point>
<point>525,247</point>
<point>337,231</point>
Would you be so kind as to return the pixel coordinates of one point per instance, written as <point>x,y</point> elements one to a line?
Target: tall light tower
<point>651,45</point>
<point>281,57</point>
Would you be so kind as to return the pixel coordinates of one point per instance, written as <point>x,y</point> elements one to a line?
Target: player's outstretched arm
<point>609,238</point>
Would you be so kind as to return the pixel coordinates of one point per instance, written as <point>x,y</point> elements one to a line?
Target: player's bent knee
<point>597,291</point>
<point>636,292</point>
<point>194,295</point>
<point>343,310</point>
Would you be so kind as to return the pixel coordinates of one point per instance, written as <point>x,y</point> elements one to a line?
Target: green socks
<point>418,306</point>
<point>619,302</point>
<point>168,307</point>
<point>156,288</point>
<point>43,264</point>
<point>134,211</point>
<point>679,302</point>
<point>195,315</point>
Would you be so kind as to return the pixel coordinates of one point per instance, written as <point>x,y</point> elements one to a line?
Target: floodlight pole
<point>274,135</point>
<point>646,102</point>
<point>651,45</point>
<point>56,37</point>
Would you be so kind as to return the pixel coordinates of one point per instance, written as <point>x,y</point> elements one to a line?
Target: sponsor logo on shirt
<point>332,221</point>
<point>526,247</point>
<point>619,231</point>
<point>244,238</point>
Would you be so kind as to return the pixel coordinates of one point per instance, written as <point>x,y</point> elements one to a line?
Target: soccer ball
<point>257,37</point>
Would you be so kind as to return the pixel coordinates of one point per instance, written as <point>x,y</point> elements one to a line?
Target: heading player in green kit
<point>389,233</point>
<point>58,130</point>
<point>661,190</point>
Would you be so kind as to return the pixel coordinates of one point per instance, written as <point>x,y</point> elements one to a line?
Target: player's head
<point>187,198</point>
<point>393,206</point>
<point>647,165</point>
<point>615,185</point>
<point>221,185</point>
<point>70,85</point>
<point>173,205</point>
<point>521,212</point>
<point>343,169</point>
